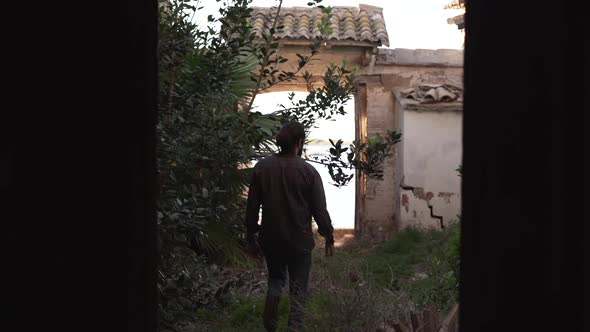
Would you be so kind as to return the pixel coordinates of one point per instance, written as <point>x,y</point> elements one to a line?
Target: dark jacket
<point>290,192</point>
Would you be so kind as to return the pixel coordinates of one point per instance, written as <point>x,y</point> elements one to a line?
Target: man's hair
<point>289,135</point>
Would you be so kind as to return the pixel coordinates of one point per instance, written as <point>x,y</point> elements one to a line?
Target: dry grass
<point>360,288</point>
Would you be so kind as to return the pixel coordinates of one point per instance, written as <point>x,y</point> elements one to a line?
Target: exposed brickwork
<point>380,221</point>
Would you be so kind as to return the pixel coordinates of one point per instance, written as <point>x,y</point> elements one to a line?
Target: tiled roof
<point>358,24</point>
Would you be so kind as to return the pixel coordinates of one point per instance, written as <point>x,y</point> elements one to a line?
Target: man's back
<point>290,191</point>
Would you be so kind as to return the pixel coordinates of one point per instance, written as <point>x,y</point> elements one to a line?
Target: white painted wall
<point>432,151</point>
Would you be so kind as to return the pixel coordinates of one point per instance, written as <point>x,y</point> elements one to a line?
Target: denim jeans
<point>298,265</point>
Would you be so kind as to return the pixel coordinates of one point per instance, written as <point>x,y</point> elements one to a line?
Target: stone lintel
<point>413,105</point>
<point>420,57</point>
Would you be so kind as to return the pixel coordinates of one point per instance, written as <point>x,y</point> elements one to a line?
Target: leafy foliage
<point>453,250</point>
<point>204,139</point>
<point>191,284</point>
<point>367,156</point>
<point>323,102</point>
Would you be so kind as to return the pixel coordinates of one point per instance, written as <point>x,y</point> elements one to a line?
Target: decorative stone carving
<point>433,93</point>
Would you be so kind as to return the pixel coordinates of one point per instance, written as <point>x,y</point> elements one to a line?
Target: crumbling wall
<point>432,152</point>
<point>428,155</point>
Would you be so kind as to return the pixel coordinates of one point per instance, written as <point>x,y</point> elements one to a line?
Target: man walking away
<point>290,192</point>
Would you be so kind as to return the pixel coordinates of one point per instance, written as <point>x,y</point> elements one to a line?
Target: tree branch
<point>266,58</point>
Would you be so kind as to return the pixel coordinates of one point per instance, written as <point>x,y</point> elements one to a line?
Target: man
<point>290,191</point>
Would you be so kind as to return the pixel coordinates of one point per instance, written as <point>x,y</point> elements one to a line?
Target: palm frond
<point>217,240</point>
<point>241,83</point>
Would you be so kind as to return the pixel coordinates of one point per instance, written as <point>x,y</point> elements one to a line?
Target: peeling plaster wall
<point>385,213</point>
<point>416,212</point>
<point>432,151</point>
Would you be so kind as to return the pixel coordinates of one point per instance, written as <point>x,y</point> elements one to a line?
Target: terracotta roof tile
<point>363,24</point>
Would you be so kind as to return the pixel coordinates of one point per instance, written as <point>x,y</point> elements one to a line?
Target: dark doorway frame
<point>83,170</point>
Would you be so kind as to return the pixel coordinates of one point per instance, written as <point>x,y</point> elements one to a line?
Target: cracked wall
<point>432,151</point>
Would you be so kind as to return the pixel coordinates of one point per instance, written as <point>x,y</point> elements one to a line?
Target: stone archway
<point>358,37</point>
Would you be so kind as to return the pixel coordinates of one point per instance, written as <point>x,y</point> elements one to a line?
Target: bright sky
<point>410,24</point>
<point>342,128</point>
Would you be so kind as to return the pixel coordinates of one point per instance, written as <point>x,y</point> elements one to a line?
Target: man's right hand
<point>329,250</point>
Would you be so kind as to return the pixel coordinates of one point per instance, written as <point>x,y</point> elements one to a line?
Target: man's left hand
<point>329,252</point>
